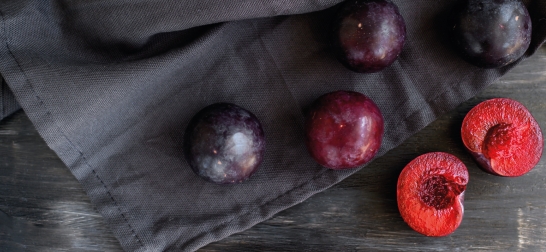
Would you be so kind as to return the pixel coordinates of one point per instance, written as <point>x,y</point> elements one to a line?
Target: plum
<point>224,143</point>
<point>492,33</point>
<point>503,137</point>
<point>368,35</point>
<point>344,129</point>
<point>430,193</point>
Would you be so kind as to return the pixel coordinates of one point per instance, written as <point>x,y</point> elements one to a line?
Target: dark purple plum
<point>224,143</point>
<point>368,35</point>
<point>492,33</point>
<point>344,130</point>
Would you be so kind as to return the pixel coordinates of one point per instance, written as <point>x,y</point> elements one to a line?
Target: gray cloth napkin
<point>111,86</point>
<point>8,104</point>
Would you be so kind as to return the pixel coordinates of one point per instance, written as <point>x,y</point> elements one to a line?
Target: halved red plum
<point>344,130</point>
<point>503,137</point>
<point>430,193</point>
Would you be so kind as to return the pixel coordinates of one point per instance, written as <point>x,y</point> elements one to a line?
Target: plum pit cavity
<point>438,192</point>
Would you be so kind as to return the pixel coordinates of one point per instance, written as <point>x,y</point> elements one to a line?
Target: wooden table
<point>44,208</point>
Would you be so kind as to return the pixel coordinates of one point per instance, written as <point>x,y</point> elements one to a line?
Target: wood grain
<point>43,207</point>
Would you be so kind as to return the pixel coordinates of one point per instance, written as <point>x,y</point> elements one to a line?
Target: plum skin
<point>224,143</point>
<point>344,130</point>
<point>368,35</point>
<point>492,33</point>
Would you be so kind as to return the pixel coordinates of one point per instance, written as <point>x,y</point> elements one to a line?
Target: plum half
<point>503,137</point>
<point>430,193</point>
<point>492,33</point>
<point>344,130</point>
<point>224,143</point>
<point>368,35</point>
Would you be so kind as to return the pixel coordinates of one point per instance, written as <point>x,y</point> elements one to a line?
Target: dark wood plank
<point>43,208</point>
